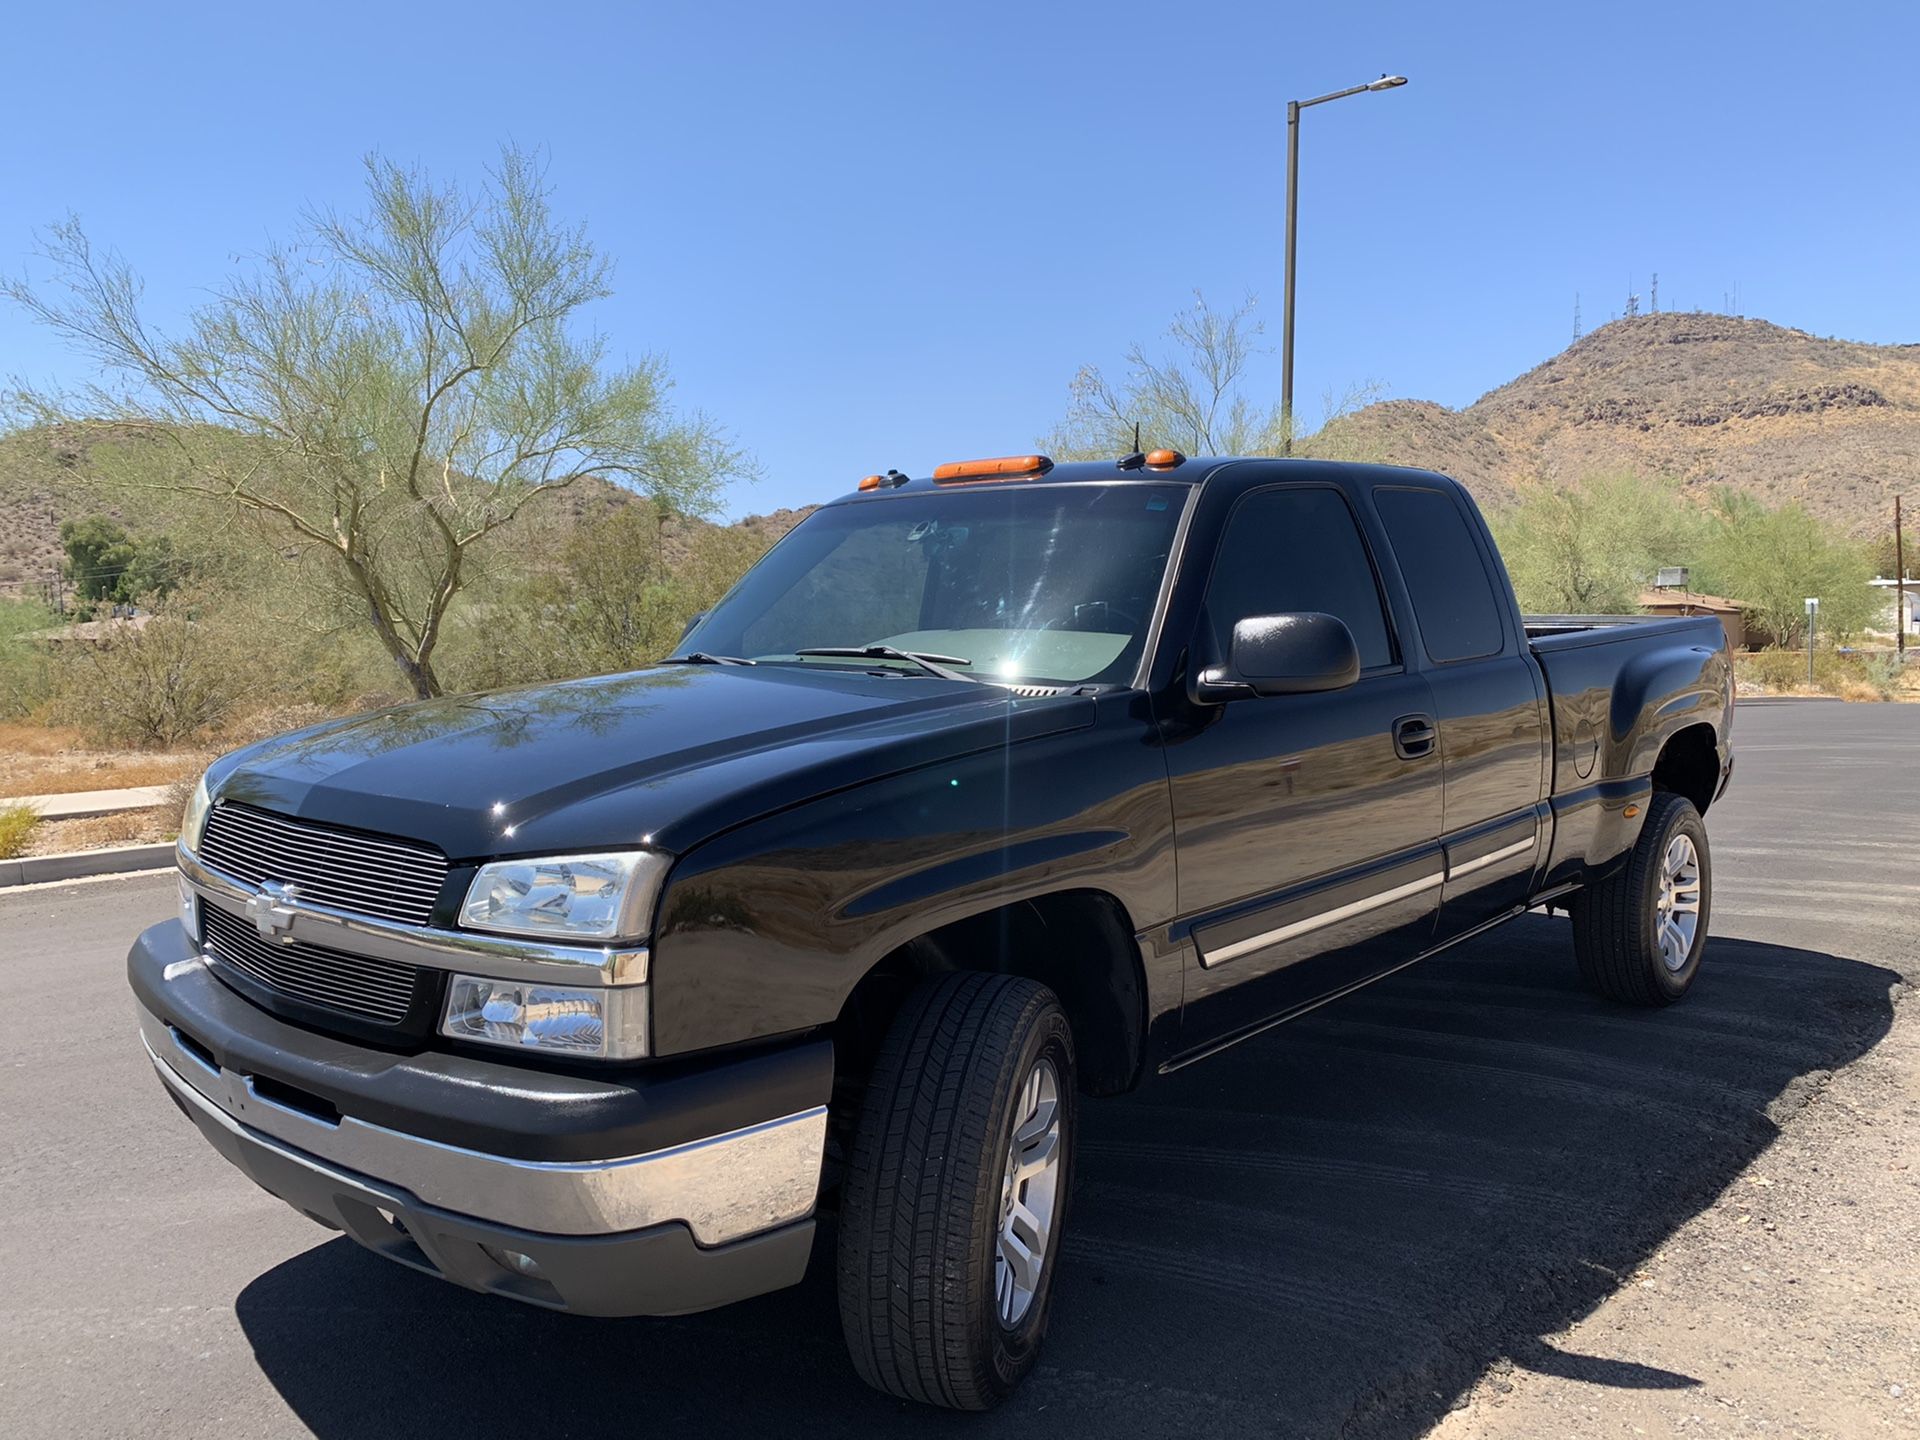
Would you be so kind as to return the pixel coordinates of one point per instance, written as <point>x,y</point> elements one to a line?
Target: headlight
<point>583,897</point>
<point>608,1024</point>
<point>195,819</point>
<point>189,909</point>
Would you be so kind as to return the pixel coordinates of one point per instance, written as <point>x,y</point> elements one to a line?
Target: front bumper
<point>433,1159</point>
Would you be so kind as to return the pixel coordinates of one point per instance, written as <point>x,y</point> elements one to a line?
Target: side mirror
<point>692,620</point>
<point>1282,655</point>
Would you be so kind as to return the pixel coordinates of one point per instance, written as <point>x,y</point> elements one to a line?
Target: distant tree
<point>1591,547</point>
<point>618,599</point>
<point>1772,560</point>
<point>1188,399</point>
<point>386,393</point>
<point>99,554</point>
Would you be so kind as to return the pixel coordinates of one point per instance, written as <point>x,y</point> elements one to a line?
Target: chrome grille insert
<point>366,874</point>
<point>379,990</point>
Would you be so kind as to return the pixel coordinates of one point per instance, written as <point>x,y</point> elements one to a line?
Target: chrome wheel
<point>1028,1195</point>
<point>1676,915</point>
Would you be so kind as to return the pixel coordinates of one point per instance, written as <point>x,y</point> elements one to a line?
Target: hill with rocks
<point>1711,400</point>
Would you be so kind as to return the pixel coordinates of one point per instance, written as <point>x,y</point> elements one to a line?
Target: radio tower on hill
<point>1576,315</point>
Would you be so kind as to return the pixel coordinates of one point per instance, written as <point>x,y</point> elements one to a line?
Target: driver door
<point>1307,827</point>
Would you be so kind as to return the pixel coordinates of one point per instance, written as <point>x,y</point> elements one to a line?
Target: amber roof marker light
<point>1164,459</point>
<point>1004,467</point>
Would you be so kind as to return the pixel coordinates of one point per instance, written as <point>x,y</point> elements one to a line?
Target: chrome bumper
<point>723,1188</point>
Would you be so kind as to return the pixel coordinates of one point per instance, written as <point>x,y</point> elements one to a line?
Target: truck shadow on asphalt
<point>1335,1228</point>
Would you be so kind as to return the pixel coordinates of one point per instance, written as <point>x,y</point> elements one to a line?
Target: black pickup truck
<point>979,794</point>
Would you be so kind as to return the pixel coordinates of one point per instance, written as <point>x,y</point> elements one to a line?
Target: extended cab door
<point>1488,693</point>
<point>1306,826</point>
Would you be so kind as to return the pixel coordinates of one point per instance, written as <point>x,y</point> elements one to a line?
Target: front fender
<point>765,930</point>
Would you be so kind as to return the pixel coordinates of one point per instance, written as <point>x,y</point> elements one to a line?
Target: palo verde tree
<point>386,392</point>
<point>1191,396</point>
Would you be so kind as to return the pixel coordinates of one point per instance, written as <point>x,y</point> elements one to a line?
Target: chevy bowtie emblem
<point>272,909</point>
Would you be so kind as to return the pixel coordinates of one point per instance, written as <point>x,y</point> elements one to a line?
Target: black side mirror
<point>1282,655</point>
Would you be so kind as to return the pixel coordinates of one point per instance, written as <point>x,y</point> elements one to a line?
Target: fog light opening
<point>515,1262</point>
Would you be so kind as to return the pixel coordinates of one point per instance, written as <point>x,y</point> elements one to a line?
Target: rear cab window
<point>1455,604</point>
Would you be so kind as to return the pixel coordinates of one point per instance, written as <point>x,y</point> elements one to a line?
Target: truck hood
<point>665,757</point>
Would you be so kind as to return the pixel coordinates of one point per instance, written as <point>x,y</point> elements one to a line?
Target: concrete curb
<point>78,864</point>
<point>86,804</point>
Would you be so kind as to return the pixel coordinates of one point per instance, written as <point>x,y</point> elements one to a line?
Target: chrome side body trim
<point>1320,921</point>
<point>723,1188</point>
<point>497,957</point>
<point>1480,862</point>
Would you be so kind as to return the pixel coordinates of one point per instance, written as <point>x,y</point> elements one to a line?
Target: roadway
<point>1338,1228</point>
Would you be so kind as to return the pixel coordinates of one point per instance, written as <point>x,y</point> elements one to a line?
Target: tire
<point>1619,924</point>
<point>924,1294</point>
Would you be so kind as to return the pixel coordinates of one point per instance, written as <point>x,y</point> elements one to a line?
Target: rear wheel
<point>1639,933</point>
<point>956,1190</point>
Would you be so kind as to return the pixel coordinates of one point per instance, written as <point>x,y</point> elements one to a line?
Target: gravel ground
<point>1790,1306</point>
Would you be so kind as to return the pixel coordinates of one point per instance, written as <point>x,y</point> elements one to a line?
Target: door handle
<point>1414,736</point>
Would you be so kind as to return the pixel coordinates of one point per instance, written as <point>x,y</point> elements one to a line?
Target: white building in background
<point>1910,622</point>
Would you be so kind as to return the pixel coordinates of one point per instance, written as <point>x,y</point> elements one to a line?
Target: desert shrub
<point>17,824</point>
<point>1776,669</point>
<point>1882,674</point>
<point>160,684</point>
<point>619,596</point>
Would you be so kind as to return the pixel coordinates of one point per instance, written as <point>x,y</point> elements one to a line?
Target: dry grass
<point>129,827</point>
<point>55,760</point>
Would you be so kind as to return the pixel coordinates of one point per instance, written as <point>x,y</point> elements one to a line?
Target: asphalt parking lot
<point>1334,1229</point>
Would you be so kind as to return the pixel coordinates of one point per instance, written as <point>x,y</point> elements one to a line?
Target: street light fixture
<point>1294,107</point>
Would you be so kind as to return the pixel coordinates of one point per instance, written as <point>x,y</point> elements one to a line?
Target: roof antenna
<point>1136,459</point>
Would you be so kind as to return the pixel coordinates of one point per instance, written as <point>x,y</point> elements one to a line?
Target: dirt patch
<point>129,827</point>
<point>54,760</point>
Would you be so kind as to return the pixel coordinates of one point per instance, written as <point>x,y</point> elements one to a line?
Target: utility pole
<point>1899,585</point>
<point>1576,315</point>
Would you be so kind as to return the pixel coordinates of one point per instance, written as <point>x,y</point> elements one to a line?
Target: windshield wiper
<point>932,663</point>
<point>701,657</point>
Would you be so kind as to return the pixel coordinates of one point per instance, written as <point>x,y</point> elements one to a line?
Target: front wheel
<point>1639,933</point>
<point>956,1189</point>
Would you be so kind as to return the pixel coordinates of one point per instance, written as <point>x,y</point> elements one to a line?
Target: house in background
<point>1889,622</point>
<point>1670,596</point>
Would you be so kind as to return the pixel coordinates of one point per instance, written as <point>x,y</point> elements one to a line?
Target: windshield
<point>1036,584</point>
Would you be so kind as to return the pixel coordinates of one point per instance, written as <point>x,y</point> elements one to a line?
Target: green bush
<point>17,824</point>
<point>26,672</point>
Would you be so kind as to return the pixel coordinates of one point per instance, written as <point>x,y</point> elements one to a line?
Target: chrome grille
<point>380,990</point>
<point>366,874</point>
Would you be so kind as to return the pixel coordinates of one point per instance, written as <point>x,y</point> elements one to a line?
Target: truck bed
<point>1571,632</point>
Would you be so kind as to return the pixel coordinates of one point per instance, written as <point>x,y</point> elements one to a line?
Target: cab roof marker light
<point>873,482</point>
<point>1164,459</point>
<point>1005,467</point>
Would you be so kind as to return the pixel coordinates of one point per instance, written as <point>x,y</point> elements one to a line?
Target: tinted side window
<point>1453,596</point>
<point>1290,550</point>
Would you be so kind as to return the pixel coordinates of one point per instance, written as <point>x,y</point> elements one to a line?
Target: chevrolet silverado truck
<point>980,794</point>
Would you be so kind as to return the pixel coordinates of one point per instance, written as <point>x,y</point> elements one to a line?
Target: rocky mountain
<point>1709,399</point>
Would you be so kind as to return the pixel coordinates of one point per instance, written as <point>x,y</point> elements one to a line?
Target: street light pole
<point>1294,107</point>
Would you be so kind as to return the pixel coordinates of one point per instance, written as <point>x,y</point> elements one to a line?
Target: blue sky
<point>875,235</point>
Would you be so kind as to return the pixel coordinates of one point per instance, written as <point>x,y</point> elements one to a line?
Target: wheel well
<point>1078,943</point>
<point>1689,765</point>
